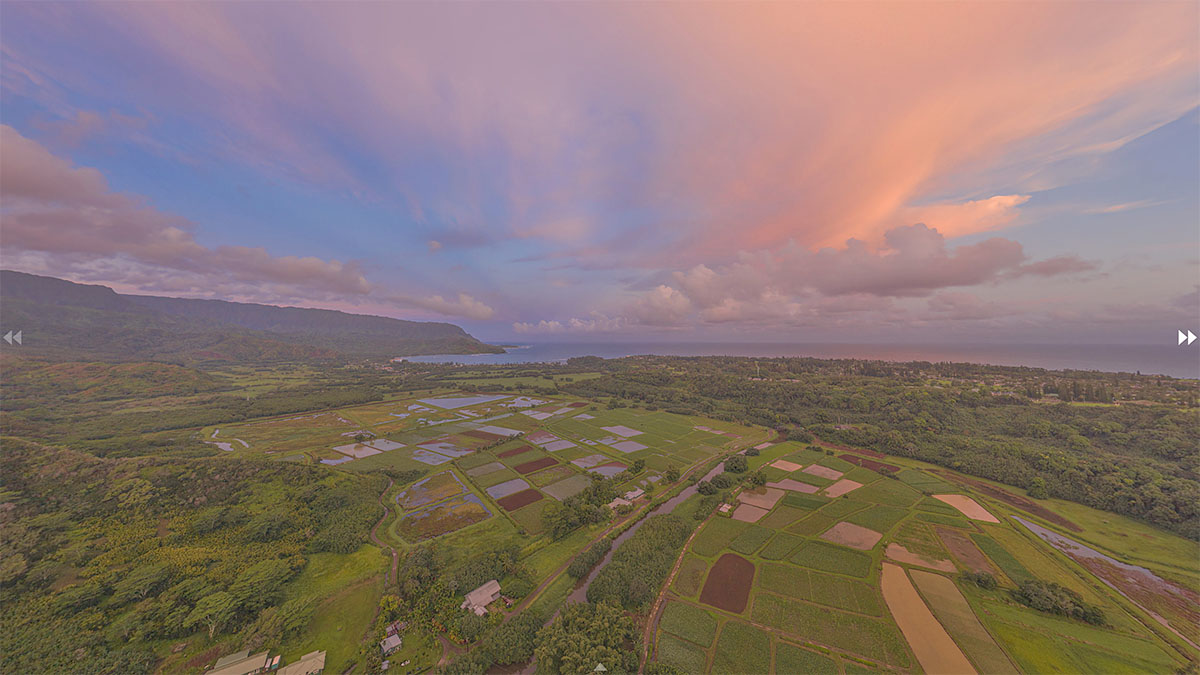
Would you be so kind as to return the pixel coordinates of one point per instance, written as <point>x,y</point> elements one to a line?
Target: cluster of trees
<point>121,554</point>
<point>588,507</point>
<point>640,565</point>
<point>1071,390</point>
<point>584,635</point>
<point>1135,460</point>
<point>585,561</point>
<point>1047,596</point>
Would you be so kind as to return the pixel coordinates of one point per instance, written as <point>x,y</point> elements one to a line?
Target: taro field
<point>846,563</point>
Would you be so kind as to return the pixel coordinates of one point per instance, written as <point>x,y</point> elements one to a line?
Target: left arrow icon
<point>17,338</point>
<point>8,337</point>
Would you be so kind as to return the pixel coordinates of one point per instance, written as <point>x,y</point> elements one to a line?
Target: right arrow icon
<point>1188,337</point>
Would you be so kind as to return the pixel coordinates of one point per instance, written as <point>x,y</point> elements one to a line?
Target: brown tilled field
<point>522,498</point>
<point>728,584</point>
<point>515,451</point>
<point>965,550</point>
<point>530,467</point>
<point>869,463</point>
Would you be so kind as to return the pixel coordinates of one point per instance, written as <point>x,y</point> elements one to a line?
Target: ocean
<point>1175,361</point>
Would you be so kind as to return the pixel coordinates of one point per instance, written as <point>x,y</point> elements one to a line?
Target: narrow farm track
<point>391,576</point>
<point>656,611</point>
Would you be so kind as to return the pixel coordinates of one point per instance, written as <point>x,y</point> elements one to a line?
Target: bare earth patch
<point>522,498</point>
<point>764,500</point>
<point>854,536</point>
<point>823,471</point>
<point>728,583</point>
<point>748,513</point>
<point>786,465</point>
<point>969,507</point>
<point>961,547</point>
<point>898,553</point>
<point>793,486</point>
<point>842,487</point>
<point>935,651</point>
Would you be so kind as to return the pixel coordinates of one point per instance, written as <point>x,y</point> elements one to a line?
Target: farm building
<point>390,644</point>
<point>244,663</point>
<point>619,501</point>
<point>312,663</point>
<point>478,599</point>
<point>634,494</point>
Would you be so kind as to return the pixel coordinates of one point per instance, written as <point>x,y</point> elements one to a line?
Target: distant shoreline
<point>1169,360</point>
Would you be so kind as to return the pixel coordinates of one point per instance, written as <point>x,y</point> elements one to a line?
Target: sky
<point>820,172</point>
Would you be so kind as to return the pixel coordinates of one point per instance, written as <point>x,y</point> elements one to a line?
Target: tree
<point>671,474</point>
<point>736,464</point>
<point>703,487</point>
<point>723,481</point>
<point>139,583</point>
<point>259,585</point>
<point>213,611</point>
<point>1037,489</point>
<point>585,635</point>
<point>637,467</point>
<point>758,478</point>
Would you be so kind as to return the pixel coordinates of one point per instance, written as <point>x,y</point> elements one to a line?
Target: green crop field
<point>802,501</point>
<point>751,539</point>
<point>781,546</point>
<point>875,639</point>
<point>683,655</point>
<point>878,518</point>
<point>812,525</point>
<point>824,589</point>
<point>825,557</point>
<point>689,622</point>
<point>690,576</point>
<point>741,648</point>
<point>841,507</point>
<point>792,659</point>
<point>890,492</point>
<point>1008,564</point>
<point>717,535</point>
<point>782,516</point>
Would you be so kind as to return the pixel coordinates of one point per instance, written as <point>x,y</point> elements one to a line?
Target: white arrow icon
<point>10,337</point>
<point>1189,337</point>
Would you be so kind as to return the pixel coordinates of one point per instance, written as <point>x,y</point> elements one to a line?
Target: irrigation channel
<point>580,592</point>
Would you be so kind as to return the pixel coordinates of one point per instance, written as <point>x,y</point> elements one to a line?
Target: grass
<point>939,519</point>
<point>751,539</point>
<point>690,576</point>
<point>879,518</point>
<point>552,597</point>
<point>781,546</point>
<point>530,517</point>
<point>338,626</point>
<point>689,622</point>
<point>872,638</point>
<point>683,655</point>
<point>825,557</point>
<point>1008,564</point>
<point>927,483</point>
<point>327,573</point>
<point>716,536</point>
<point>824,589</point>
<point>792,659</point>
<point>551,475</point>
<point>742,648</point>
<point>919,538</point>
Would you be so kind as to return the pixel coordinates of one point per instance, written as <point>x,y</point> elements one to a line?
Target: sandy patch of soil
<point>898,553</point>
<point>854,536</point>
<point>748,513</point>
<point>767,499</point>
<point>933,647</point>
<point>842,487</point>
<point>969,507</point>
<point>786,465</point>
<point>823,471</point>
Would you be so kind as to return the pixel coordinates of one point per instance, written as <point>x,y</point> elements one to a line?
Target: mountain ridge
<point>97,322</point>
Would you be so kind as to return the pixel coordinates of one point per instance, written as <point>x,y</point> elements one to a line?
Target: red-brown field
<point>728,584</point>
<point>530,467</point>
<point>577,404</point>
<point>965,550</point>
<point>515,451</point>
<point>522,498</point>
<point>869,463</point>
